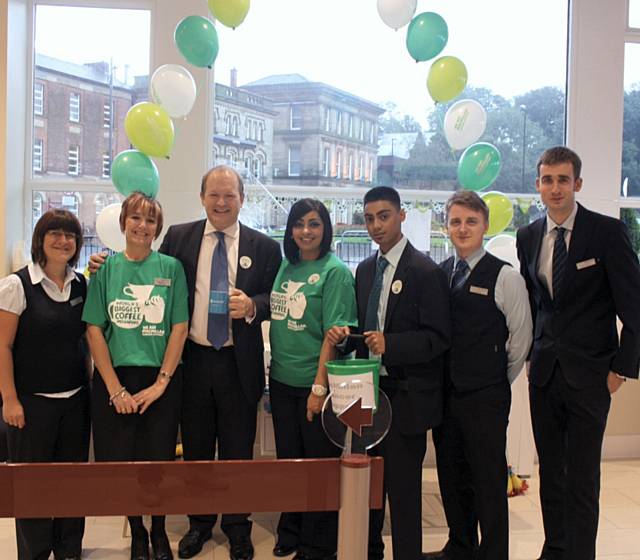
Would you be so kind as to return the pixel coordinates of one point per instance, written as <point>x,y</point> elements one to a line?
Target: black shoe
<point>160,546</point>
<point>436,555</point>
<point>303,556</point>
<point>240,548</point>
<point>140,546</point>
<point>192,543</point>
<point>281,550</point>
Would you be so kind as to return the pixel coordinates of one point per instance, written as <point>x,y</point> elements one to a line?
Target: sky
<point>508,46</point>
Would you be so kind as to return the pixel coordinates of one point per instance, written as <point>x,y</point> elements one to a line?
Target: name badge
<point>478,290</point>
<point>162,282</point>
<point>586,264</point>
<point>218,302</point>
<point>76,301</point>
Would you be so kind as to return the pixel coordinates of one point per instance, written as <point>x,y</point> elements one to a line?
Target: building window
<point>372,133</point>
<point>338,122</point>
<point>326,161</point>
<point>38,145</point>
<point>350,169</point>
<point>294,161</point>
<point>261,132</point>
<point>339,164</point>
<point>74,160</point>
<point>106,165</point>
<point>350,126</point>
<point>296,117</point>
<point>360,176</point>
<point>370,170</point>
<point>38,98</point>
<point>361,134</point>
<point>248,163</point>
<point>74,107</point>
<point>106,115</point>
<point>258,167</point>
<point>327,120</point>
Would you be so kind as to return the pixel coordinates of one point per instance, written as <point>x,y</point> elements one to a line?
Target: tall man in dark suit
<point>581,272</point>
<point>403,312</point>
<point>491,336</point>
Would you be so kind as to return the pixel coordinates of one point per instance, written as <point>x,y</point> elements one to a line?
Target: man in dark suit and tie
<point>403,312</point>
<point>581,272</point>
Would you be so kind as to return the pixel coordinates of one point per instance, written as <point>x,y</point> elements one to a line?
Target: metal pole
<point>524,142</point>
<point>353,521</point>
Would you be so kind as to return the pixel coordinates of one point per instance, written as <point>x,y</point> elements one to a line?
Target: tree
<point>395,121</point>
<point>631,142</point>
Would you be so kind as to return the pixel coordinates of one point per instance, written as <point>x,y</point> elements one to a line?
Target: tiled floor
<point>618,539</point>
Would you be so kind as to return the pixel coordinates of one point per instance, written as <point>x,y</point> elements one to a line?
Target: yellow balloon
<point>447,78</point>
<point>500,212</point>
<point>229,12</point>
<point>150,129</point>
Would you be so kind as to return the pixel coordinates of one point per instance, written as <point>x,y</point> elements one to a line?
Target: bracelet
<point>120,392</point>
<point>165,376</point>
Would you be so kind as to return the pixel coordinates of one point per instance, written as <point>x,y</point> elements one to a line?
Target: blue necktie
<point>371,316</point>
<point>459,276</point>
<point>218,322</point>
<point>559,261</point>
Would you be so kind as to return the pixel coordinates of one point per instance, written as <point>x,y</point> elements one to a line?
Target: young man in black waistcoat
<point>491,335</point>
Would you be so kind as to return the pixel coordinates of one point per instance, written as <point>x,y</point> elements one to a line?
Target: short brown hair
<point>51,220</point>
<point>140,202</point>
<point>205,177</point>
<point>561,154</point>
<point>468,199</point>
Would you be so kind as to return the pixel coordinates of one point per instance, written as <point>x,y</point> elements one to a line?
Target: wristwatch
<point>318,390</point>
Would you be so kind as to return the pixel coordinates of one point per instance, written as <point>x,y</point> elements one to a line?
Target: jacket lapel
<point>401,275</point>
<point>245,249</point>
<point>580,240</point>
<point>538,232</point>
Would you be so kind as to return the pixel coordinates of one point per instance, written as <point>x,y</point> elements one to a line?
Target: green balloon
<point>500,212</point>
<point>427,35</point>
<point>133,171</point>
<point>197,40</point>
<point>479,166</point>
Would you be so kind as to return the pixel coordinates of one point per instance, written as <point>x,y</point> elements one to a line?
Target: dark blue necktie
<point>218,322</point>
<point>559,261</point>
<point>459,275</point>
<point>371,316</point>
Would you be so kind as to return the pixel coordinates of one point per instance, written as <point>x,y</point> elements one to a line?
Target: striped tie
<point>559,260</point>
<point>459,275</point>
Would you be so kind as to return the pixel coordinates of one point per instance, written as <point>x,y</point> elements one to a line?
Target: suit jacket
<point>183,242</point>
<point>578,327</point>
<point>417,333</point>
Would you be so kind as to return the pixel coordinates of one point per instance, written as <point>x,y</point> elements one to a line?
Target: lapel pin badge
<point>396,287</point>
<point>245,262</point>
<point>314,278</point>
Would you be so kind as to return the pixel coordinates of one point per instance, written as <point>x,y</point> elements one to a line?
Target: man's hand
<point>375,341</point>
<point>240,305</point>
<point>335,335</point>
<point>614,381</point>
<point>96,261</point>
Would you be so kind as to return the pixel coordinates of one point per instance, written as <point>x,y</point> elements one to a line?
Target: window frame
<point>39,97</point>
<point>292,148</point>
<point>75,108</point>
<point>73,159</point>
<point>38,142</point>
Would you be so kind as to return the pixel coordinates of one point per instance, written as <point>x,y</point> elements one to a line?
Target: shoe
<point>240,548</point>
<point>140,546</point>
<point>435,555</point>
<point>160,546</point>
<point>281,550</point>
<point>192,543</point>
<point>303,556</point>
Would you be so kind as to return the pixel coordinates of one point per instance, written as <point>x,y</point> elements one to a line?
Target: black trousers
<point>216,412</point>
<point>472,472</point>
<point>568,427</point>
<point>56,430</point>
<point>315,534</point>
<point>150,436</point>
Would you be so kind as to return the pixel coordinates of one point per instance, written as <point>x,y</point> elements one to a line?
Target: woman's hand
<point>13,413</point>
<point>145,398</point>
<point>124,403</point>
<point>335,335</point>
<point>314,405</point>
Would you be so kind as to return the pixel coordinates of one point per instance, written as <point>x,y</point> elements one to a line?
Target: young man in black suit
<point>491,336</point>
<point>403,312</point>
<point>581,272</point>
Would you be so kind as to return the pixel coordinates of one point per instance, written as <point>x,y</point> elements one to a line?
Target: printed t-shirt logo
<point>290,301</point>
<point>129,313</point>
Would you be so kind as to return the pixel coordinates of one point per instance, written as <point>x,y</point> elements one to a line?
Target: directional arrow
<point>355,416</point>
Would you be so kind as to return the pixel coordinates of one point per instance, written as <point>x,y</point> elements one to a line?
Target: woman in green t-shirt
<point>313,292</point>
<point>136,314</point>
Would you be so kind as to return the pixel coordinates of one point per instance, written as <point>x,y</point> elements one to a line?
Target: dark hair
<point>383,193</point>
<point>470,200</point>
<point>560,154</point>
<point>51,220</point>
<point>298,210</point>
<point>140,202</point>
<point>205,177</point>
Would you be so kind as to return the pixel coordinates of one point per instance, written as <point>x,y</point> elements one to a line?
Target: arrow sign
<point>355,416</point>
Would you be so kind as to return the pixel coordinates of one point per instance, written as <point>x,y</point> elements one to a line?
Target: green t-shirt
<point>307,299</point>
<point>136,303</point>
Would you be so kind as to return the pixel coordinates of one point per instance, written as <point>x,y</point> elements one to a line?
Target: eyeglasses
<point>61,234</point>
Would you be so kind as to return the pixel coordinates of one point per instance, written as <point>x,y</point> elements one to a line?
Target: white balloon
<point>172,86</point>
<point>396,13</point>
<point>464,123</point>
<point>504,247</point>
<point>108,227</point>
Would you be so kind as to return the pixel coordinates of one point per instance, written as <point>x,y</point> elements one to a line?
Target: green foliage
<point>630,217</point>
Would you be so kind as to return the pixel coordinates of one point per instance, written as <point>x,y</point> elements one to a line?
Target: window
<point>296,117</point>
<point>294,161</point>
<point>261,132</point>
<point>631,123</point>
<point>37,155</point>
<point>372,133</point>
<point>339,164</point>
<point>38,98</point>
<point>371,170</point>
<point>106,165</point>
<point>634,14</point>
<point>74,107</point>
<point>350,166</point>
<point>326,161</point>
<point>350,126</point>
<point>361,134</point>
<point>360,176</point>
<point>106,115</point>
<point>338,122</point>
<point>258,167</point>
<point>327,119</point>
<point>74,160</point>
